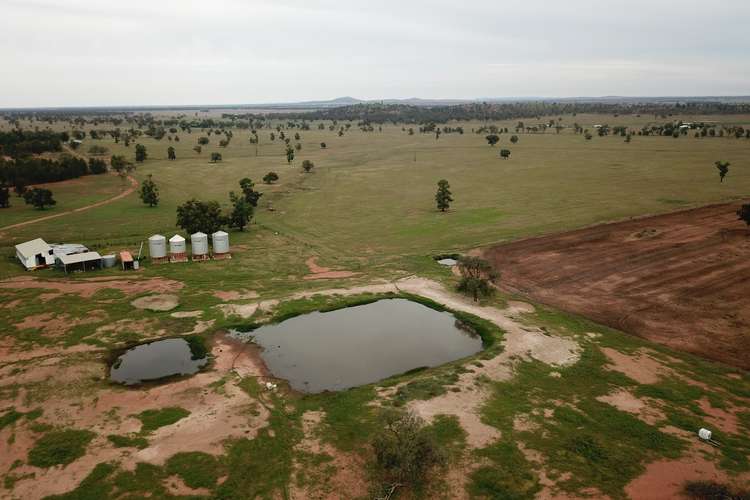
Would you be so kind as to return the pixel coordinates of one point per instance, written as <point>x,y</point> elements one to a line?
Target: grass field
<point>518,419</point>
<point>369,201</point>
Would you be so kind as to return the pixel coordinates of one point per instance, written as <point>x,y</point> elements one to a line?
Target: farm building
<point>35,254</point>
<point>127,260</point>
<point>85,261</point>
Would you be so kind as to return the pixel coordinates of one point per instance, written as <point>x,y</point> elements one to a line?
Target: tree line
<point>404,113</point>
<point>19,143</point>
<point>27,171</point>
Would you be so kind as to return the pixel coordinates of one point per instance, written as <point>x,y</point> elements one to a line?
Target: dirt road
<point>128,191</point>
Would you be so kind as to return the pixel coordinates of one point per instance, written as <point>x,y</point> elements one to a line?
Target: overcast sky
<point>133,52</point>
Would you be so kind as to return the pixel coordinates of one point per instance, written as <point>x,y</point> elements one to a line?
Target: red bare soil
<point>680,279</point>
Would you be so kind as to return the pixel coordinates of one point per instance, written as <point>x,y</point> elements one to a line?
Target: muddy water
<point>155,360</point>
<point>359,345</point>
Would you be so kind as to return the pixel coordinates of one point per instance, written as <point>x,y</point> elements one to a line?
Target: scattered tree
<point>120,165</point>
<point>723,168</point>
<point>505,154</point>
<point>171,154</point>
<point>477,277</point>
<point>215,157</point>
<point>270,177</point>
<point>443,195</point>
<point>39,198</point>
<point>514,139</point>
<point>197,149</point>
<point>140,153</point>
<point>323,145</point>
<point>405,450</point>
<point>242,211</point>
<point>149,192</point>
<point>289,154</point>
<point>250,194</point>
<point>204,216</point>
<point>492,139</point>
<point>307,166</point>
<point>202,141</point>
<point>97,166</point>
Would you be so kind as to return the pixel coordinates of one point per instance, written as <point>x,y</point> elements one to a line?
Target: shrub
<point>60,447</point>
<point>153,419</point>
<point>405,451</point>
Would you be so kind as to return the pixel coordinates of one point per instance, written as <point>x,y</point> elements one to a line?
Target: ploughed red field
<point>680,279</point>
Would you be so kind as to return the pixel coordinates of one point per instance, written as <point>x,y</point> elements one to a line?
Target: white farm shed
<point>35,253</point>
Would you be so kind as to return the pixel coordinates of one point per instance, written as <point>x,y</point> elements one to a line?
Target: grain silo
<point>220,241</point>
<point>199,246</point>
<point>157,248</point>
<point>177,250</point>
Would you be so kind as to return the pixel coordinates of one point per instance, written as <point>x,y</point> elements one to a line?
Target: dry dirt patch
<point>164,302</point>
<point>722,419</point>
<point>320,272</point>
<point>641,367</point>
<point>55,325</point>
<point>86,288</point>
<point>236,295</point>
<point>644,409</point>
<point>666,478</point>
<point>348,478</point>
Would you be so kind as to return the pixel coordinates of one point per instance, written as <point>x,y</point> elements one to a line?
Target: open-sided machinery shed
<point>81,261</point>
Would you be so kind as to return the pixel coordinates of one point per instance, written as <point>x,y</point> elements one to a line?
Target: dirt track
<point>681,279</point>
<point>129,190</point>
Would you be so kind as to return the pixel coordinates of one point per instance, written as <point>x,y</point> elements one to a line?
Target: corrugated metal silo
<point>199,246</point>
<point>177,249</point>
<point>157,246</point>
<point>220,241</point>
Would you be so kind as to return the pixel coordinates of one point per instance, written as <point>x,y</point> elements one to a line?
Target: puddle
<point>157,360</point>
<point>358,345</point>
<point>447,262</point>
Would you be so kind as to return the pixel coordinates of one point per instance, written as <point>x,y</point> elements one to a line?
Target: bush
<point>709,490</point>
<point>197,469</point>
<point>128,441</point>
<point>153,419</point>
<point>60,447</point>
<point>405,451</point>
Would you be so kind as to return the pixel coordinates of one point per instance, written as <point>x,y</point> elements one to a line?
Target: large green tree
<point>149,192</point>
<point>140,153</point>
<point>443,196</point>
<point>477,277</point>
<point>242,211</point>
<point>39,198</point>
<point>249,193</point>
<point>204,216</point>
